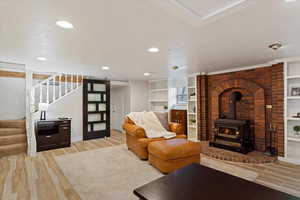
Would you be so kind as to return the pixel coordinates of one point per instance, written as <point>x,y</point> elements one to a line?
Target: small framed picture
<point>295,91</point>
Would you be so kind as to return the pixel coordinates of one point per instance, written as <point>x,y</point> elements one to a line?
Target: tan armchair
<point>137,140</point>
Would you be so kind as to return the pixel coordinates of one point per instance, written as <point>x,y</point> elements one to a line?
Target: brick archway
<point>259,106</point>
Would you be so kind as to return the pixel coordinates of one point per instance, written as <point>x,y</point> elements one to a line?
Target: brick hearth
<point>254,157</point>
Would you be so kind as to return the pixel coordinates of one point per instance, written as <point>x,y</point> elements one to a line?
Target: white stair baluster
<point>41,93</point>
<point>59,82</point>
<point>47,96</point>
<point>32,99</point>
<point>72,86</point>
<point>66,84</point>
<point>72,82</point>
<point>53,85</point>
<point>77,81</point>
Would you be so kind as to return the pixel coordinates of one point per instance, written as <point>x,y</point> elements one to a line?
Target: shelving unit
<point>192,109</point>
<point>292,107</point>
<point>96,109</point>
<point>158,95</point>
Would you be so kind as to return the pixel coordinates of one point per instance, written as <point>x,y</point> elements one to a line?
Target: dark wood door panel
<point>96,109</point>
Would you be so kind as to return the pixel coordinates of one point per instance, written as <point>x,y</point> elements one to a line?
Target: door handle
<point>48,136</point>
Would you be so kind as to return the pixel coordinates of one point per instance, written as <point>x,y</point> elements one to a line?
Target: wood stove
<point>233,135</point>
<point>230,133</point>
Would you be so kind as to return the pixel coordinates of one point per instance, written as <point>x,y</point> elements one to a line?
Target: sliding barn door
<point>96,109</point>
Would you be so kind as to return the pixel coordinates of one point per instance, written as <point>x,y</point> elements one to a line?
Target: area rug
<point>114,172</point>
<point>110,173</point>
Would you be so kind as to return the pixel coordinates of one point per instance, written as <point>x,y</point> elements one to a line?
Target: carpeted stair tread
<point>12,139</point>
<point>12,149</point>
<point>11,131</point>
<point>12,124</point>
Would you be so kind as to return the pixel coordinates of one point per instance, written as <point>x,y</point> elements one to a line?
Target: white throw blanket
<point>151,124</point>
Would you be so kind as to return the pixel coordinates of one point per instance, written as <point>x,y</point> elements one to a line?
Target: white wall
<point>69,106</point>
<point>135,97</point>
<point>13,98</point>
<point>138,96</point>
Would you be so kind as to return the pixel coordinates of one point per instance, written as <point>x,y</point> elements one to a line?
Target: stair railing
<point>63,84</point>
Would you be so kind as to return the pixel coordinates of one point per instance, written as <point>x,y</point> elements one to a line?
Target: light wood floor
<point>40,178</point>
<point>277,175</point>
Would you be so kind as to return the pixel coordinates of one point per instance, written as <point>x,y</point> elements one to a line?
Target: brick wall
<point>202,107</point>
<point>259,87</point>
<point>277,115</point>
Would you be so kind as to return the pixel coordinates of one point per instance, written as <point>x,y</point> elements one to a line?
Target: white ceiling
<point>117,33</point>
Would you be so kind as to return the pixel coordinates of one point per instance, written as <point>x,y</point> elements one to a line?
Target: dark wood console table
<point>53,134</point>
<point>198,182</point>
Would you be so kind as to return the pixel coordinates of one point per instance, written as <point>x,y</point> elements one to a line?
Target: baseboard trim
<point>289,160</point>
<point>76,139</point>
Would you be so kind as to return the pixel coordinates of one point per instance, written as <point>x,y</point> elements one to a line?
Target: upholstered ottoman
<point>169,155</point>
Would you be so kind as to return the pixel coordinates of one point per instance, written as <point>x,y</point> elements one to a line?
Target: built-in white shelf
<point>158,100</point>
<point>293,119</point>
<point>158,80</point>
<point>293,139</point>
<point>293,97</point>
<point>293,77</point>
<point>159,90</point>
<point>291,107</point>
<point>158,95</point>
<point>192,109</point>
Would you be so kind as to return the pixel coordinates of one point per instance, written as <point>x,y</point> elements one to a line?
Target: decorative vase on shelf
<point>192,96</point>
<point>193,122</point>
<point>297,131</point>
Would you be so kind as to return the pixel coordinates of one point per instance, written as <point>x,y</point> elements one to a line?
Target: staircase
<point>54,89</point>
<point>48,91</point>
<point>12,137</point>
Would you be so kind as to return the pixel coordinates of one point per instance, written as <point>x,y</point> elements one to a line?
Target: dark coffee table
<point>199,182</point>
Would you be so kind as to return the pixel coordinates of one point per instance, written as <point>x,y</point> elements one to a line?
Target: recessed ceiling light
<point>147,74</point>
<point>105,68</point>
<point>153,50</point>
<point>275,46</point>
<point>41,58</point>
<point>290,0</point>
<point>64,24</point>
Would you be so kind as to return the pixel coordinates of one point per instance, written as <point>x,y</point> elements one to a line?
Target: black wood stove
<point>230,133</point>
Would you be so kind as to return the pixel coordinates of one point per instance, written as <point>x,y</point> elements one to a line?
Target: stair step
<point>11,131</point>
<point>12,124</point>
<point>12,139</point>
<point>12,149</point>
